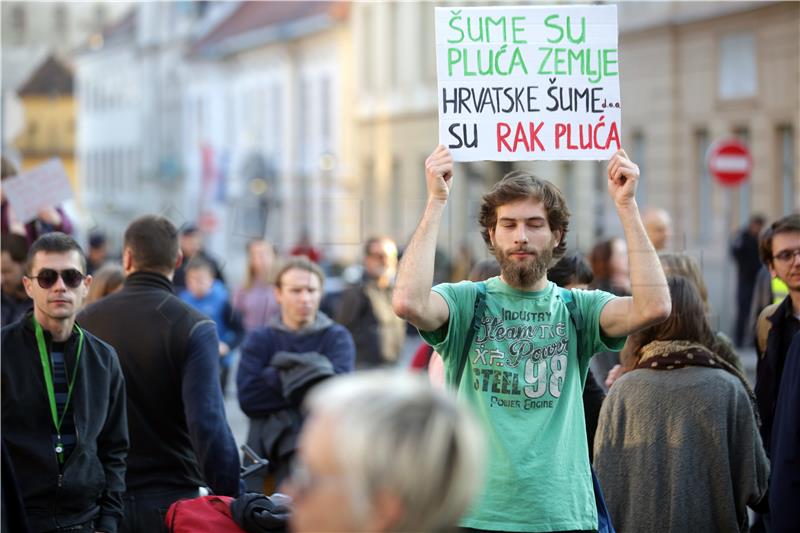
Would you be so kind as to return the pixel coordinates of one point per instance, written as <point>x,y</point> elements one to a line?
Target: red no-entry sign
<point>729,161</point>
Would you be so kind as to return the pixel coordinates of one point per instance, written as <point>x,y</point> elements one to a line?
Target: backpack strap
<point>574,312</point>
<point>477,318</point>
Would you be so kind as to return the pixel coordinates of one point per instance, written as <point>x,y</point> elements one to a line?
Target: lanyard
<point>44,356</point>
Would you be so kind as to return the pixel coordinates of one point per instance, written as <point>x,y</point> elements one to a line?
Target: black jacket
<point>169,353</point>
<point>770,366</point>
<point>92,480</point>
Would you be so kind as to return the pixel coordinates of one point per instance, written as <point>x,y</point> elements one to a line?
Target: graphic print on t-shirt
<point>520,358</point>
<point>523,379</point>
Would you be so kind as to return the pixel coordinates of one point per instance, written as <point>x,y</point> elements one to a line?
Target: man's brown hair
<point>789,223</point>
<point>300,263</point>
<point>686,322</point>
<point>55,243</point>
<point>153,241</point>
<point>520,185</point>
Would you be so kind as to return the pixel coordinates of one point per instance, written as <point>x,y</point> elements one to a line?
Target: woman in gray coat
<point>677,446</point>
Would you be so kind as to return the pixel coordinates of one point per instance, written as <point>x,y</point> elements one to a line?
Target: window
<point>398,198</point>
<point>32,128</point>
<point>60,19</point>
<point>368,211</point>
<point>277,109</point>
<point>367,46</point>
<point>639,157</point>
<point>427,42</point>
<point>303,197</point>
<point>786,140</point>
<point>53,139</point>
<point>745,189</point>
<point>326,106</point>
<point>99,16</point>
<point>600,194</point>
<point>568,174</point>
<point>737,73</point>
<point>303,117</point>
<point>704,184</point>
<point>394,50</point>
<point>18,23</point>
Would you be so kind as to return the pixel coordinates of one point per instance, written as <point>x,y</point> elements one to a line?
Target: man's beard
<point>523,274</point>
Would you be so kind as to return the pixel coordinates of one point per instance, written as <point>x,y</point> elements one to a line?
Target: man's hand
<point>439,173</point>
<point>50,216</point>
<point>614,374</point>
<point>623,177</point>
<point>224,349</point>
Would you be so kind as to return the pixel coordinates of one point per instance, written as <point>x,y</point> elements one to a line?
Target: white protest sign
<point>527,83</point>
<point>44,186</point>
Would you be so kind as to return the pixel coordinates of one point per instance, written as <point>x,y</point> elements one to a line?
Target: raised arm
<point>650,302</point>
<point>413,299</point>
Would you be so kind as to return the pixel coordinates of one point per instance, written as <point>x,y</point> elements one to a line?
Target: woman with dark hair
<point>677,446</point>
<point>108,279</point>
<point>571,271</point>
<point>609,260</point>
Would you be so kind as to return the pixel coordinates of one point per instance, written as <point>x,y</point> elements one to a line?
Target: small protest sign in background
<point>526,83</point>
<point>41,187</point>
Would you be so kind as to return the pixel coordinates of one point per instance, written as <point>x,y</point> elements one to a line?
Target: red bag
<point>210,514</point>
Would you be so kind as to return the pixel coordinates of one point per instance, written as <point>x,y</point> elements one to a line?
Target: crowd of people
<point>551,392</point>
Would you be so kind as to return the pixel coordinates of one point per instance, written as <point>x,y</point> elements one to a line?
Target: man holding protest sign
<point>524,365</point>
<point>516,347</point>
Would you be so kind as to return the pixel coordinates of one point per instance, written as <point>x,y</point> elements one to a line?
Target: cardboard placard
<point>528,83</point>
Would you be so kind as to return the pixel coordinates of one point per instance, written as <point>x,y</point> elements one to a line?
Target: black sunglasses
<point>48,277</point>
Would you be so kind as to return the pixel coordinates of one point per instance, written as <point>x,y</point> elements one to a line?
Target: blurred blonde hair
<point>397,434</point>
<point>106,280</point>
<point>681,264</point>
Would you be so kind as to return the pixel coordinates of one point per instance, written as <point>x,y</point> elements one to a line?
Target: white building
<point>33,30</point>
<point>129,86</point>
<point>269,141</point>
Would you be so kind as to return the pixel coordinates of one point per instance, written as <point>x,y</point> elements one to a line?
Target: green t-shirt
<point>524,380</point>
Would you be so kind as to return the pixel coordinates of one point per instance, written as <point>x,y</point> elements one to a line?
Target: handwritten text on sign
<point>46,185</point>
<point>523,83</point>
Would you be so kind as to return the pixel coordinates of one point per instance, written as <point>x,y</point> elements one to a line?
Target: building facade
<point>269,144</point>
<point>691,73</point>
<point>33,31</point>
<point>130,80</point>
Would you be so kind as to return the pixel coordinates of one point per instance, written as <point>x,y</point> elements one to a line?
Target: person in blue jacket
<point>209,296</point>
<point>282,361</point>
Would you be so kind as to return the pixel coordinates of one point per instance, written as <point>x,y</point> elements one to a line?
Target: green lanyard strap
<point>44,356</point>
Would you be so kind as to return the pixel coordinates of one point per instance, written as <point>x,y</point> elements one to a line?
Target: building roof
<point>120,31</point>
<point>258,23</point>
<point>52,77</point>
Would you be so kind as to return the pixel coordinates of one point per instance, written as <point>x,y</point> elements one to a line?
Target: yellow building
<point>49,107</point>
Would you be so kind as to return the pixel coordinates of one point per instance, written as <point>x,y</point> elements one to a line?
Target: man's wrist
<point>437,202</point>
<point>627,206</point>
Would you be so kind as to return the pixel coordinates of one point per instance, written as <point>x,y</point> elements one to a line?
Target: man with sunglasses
<point>63,400</point>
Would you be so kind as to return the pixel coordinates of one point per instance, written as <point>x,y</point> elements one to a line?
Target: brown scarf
<point>669,355</point>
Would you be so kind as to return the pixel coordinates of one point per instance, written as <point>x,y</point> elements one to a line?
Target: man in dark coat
<point>63,410</point>
<point>180,438</point>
